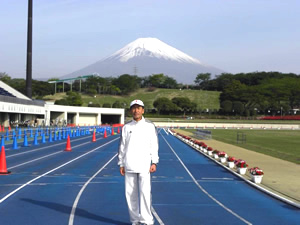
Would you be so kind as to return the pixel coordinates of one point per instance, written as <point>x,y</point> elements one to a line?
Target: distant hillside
<point>204,99</point>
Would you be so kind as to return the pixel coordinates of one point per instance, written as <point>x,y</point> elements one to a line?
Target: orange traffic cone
<point>68,146</point>
<point>118,130</point>
<point>94,137</point>
<point>3,168</point>
<point>9,127</point>
<point>105,134</point>
<point>112,131</point>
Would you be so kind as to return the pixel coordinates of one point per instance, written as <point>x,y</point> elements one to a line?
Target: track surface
<point>83,187</point>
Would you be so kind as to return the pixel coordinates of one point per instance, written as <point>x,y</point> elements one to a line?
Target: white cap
<point>136,102</point>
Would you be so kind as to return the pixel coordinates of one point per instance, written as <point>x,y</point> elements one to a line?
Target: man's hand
<point>152,168</point>
<point>122,171</point>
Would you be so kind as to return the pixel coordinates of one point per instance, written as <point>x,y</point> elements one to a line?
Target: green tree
<point>165,106</point>
<point>73,99</point>
<point>238,107</point>
<point>202,79</point>
<point>4,77</point>
<point>127,83</point>
<point>170,82</point>
<point>118,104</point>
<point>157,80</point>
<point>184,104</point>
<point>62,101</point>
<point>226,106</point>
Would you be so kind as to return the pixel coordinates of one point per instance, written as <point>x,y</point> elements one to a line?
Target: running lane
<point>192,189</point>
<point>84,187</point>
<point>49,199</point>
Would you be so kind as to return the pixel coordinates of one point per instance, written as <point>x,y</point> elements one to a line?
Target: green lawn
<point>168,118</point>
<point>204,99</point>
<point>283,144</point>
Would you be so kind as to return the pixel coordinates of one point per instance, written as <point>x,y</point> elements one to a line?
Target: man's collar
<point>141,120</point>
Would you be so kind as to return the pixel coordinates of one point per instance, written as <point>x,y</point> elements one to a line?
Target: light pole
<point>29,52</point>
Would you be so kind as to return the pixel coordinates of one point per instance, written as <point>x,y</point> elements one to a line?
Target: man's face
<point>137,112</point>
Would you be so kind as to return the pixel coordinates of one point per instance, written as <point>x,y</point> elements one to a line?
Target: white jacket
<point>138,146</point>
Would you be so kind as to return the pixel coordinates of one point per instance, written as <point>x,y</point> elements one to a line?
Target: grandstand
<point>5,93</point>
<point>17,109</point>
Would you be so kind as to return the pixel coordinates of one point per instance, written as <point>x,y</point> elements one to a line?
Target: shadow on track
<point>67,210</point>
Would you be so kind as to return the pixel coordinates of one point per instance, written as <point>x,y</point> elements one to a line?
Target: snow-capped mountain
<point>147,56</point>
<point>151,47</point>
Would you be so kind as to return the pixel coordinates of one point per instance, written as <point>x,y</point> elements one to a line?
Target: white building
<point>15,108</point>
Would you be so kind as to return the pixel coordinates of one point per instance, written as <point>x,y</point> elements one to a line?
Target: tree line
<point>255,93</point>
<point>241,94</point>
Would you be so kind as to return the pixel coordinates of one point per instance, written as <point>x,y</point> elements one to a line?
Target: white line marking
<point>71,218</point>
<point>46,156</point>
<point>29,182</point>
<point>202,189</point>
<point>165,131</point>
<point>156,216</point>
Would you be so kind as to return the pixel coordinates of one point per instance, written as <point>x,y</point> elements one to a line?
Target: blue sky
<point>233,35</point>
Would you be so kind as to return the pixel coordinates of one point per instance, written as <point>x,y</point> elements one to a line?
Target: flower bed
<point>209,150</point>
<point>281,118</point>
<point>215,154</point>
<point>204,147</point>
<point>222,156</point>
<point>241,166</point>
<point>230,161</point>
<point>256,171</point>
<point>256,174</point>
<point>241,163</point>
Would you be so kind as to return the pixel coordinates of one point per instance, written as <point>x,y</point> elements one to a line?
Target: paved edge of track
<point>50,171</point>
<point>202,189</point>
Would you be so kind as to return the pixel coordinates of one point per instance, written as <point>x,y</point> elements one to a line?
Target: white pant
<point>138,196</point>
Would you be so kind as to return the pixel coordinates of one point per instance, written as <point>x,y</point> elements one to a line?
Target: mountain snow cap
<point>152,47</point>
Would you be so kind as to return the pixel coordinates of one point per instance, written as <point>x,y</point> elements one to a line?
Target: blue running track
<point>83,187</point>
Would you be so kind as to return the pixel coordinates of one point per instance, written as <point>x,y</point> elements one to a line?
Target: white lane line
<point>29,182</point>
<point>22,164</point>
<point>71,218</point>
<point>50,146</point>
<point>156,216</point>
<point>46,156</point>
<point>165,131</point>
<point>202,189</point>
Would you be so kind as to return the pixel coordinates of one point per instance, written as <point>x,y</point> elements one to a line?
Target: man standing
<point>138,157</point>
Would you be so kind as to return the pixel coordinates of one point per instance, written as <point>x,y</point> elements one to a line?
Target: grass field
<point>168,118</point>
<point>204,99</point>
<point>281,144</point>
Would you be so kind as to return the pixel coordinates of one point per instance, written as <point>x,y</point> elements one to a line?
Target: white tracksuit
<point>137,150</point>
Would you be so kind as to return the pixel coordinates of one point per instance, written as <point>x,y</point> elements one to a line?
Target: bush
<point>61,102</point>
<point>94,105</point>
<point>106,105</point>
